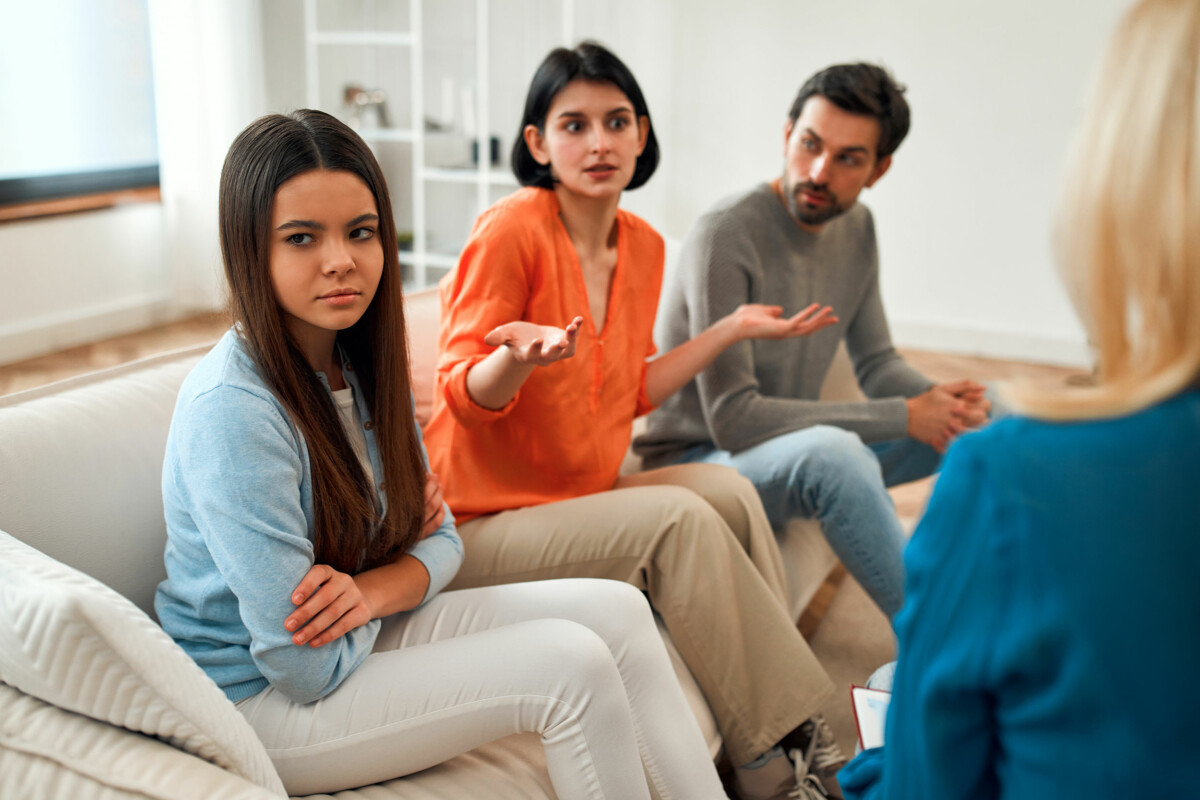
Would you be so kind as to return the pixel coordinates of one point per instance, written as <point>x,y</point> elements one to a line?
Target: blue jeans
<point>827,473</point>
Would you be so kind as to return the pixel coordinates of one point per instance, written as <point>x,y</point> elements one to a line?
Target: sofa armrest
<point>46,751</point>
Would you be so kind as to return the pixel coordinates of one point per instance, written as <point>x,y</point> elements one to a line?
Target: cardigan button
<point>369,425</point>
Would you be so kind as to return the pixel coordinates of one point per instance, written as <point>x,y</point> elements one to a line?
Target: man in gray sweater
<point>799,240</point>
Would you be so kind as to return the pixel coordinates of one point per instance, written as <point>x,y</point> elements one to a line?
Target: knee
<point>693,521</point>
<point>835,452</point>
<point>720,485</point>
<point>741,489</point>
<point>717,483</point>
<point>578,651</point>
<point>624,610</point>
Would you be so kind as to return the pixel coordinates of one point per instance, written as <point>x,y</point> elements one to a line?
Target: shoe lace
<point>808,786</point>
<point>823,747</point>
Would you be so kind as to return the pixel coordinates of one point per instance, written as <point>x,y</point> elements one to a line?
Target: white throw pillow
<point>71,641</point>
<point>48,752</point>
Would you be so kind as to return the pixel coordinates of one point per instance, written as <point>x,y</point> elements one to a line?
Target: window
<point>76,100</point>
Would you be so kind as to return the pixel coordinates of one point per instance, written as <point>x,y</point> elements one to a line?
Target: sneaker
<point>816,757</point>
<point>775,777</point>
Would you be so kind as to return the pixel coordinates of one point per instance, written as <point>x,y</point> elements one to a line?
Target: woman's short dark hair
<point>861,89</point>
<point>588,61</point>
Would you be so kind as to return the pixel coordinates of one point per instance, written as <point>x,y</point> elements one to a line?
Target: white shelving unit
<point>432,256</point>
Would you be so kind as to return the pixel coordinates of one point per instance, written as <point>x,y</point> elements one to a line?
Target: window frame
<point>38,188</point>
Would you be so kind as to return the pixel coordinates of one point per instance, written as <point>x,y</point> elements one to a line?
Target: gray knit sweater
<point>748,249</point>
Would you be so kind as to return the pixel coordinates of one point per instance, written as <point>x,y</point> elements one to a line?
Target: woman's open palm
<point>538,345</point>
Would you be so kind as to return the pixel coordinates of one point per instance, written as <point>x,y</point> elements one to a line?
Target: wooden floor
<point>110,352</point>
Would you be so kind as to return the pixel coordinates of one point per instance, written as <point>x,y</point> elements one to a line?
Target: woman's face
<point>591,139</point>
<point>325,256</point>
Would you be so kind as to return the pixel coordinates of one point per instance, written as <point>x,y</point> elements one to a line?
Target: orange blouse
<point>565,433</point>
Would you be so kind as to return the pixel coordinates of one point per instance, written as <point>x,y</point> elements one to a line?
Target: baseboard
<point>1062,351</point>
<point>51,332</point>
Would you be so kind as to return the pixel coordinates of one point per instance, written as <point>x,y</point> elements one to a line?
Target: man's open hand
<point>757,321</point>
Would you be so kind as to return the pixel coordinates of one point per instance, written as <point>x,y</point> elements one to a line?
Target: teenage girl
<point>544,364</point>
<point>307,546</point>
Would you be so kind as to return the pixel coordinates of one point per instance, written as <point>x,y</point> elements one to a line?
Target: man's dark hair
<point>861,89</point>
<point>588,61</point>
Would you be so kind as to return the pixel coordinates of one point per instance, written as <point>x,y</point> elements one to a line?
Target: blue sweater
<point>1049,643</point>
<point>237,494</point>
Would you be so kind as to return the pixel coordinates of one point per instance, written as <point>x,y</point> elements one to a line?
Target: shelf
<point>501,178</point>
<point>363,38</point>
<point>451,46</point>
<point>464,175</point>
<point>386,134</point>
<point>441,260</point>
<point>450,174</point>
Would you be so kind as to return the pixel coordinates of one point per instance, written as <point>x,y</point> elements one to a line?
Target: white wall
<point>964,217</point>
<point>75,278</point>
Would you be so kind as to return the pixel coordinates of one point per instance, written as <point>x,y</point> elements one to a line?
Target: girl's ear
<point>536,143</point>
<point>643,133</point>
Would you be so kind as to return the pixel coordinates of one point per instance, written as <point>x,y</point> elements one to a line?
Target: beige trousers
<point>695,538</point>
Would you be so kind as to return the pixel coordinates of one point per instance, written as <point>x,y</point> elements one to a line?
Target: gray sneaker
<point>817,758</point>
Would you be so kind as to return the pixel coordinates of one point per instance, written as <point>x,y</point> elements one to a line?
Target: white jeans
<point>578,661</point>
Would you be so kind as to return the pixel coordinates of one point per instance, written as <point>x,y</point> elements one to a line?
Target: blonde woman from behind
<point>1048,639</point>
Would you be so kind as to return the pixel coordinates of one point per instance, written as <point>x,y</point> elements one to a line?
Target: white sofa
<point>95,700</point>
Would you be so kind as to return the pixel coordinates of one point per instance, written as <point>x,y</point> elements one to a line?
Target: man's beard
<point>807,214</point>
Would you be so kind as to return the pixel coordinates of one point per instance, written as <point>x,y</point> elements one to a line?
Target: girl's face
<point>591,139</point>
<point>325,257</point>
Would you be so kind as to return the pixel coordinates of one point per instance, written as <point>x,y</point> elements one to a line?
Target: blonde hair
<point>1128,231</point>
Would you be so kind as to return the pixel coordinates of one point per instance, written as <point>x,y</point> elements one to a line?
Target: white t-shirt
<point>352,424</point>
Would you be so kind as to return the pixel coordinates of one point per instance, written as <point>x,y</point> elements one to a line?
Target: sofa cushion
<point>69,640</point>
<point>422,319</point>
<point>512,768</point>
<point>48,752</point>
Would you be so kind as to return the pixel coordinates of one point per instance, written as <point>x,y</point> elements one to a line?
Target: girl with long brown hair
<point>307,546</point>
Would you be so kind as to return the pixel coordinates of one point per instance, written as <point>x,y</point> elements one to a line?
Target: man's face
<point>829,157</point>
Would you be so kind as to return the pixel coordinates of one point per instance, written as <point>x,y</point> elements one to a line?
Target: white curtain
<point>209,84</point>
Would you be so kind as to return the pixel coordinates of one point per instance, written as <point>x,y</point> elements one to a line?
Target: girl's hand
<point>756,321</point>
<point>435,509</point>
<point>536,345</point>
<point>330,605</point>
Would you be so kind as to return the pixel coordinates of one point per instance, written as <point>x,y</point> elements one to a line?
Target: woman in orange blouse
<point>544,364</point>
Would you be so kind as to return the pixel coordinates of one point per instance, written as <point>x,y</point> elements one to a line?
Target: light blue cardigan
<point>237,494</point>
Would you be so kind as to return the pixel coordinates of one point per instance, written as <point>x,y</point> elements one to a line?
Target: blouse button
<point>369,425</point>
<point>349,367</point>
